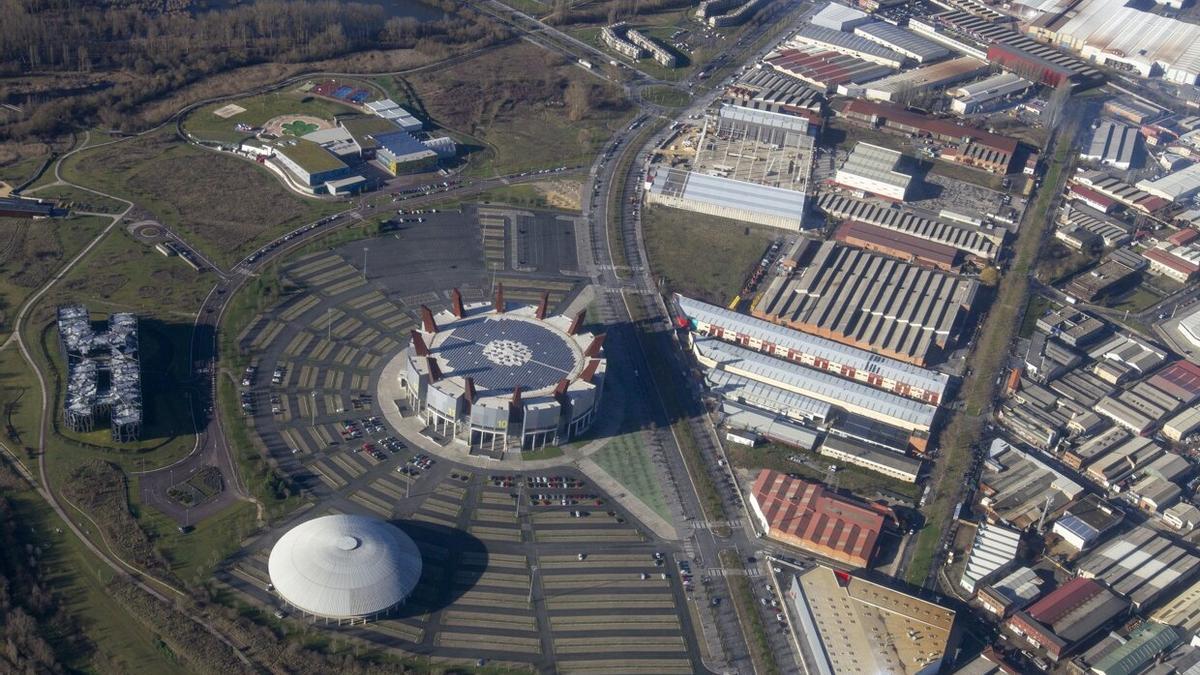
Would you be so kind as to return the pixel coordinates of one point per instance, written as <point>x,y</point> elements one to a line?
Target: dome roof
<point>342,566</point>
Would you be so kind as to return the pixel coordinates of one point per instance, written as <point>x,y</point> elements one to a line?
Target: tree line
<point>157,46</point>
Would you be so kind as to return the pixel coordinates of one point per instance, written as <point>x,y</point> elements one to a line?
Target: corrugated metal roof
<point>903,41</point>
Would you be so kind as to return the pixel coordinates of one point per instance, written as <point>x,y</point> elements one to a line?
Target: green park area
<point>628,461</point>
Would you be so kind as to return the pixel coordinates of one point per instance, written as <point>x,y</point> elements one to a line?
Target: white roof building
<point>839,17</point>
<point>1112,144</point>
<point>346,568</point>
<point>994,548</point>
<point>1182,184</point>
<point>875,169</point>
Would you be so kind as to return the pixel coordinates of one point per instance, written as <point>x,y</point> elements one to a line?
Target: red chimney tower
<point>498,300</point>
<point>456,304</point>
<point>577,322</point>
<point>435,373</point>
<point>427,320</point>
<point>419,344</point>
<point>543,305</point>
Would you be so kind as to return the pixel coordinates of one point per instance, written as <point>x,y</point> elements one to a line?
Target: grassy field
<point>194,556</point>
<point>702,256</point>
<point>204,124</point>
<point>224,206</point>
<point>628,461</point>
<point>30,252</point>
<point>517,101</point>
<point>1038,304</point>
<point>996,335</point>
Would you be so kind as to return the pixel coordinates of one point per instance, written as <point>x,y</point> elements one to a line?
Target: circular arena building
<point>496,378</point>
<point>344,568</point>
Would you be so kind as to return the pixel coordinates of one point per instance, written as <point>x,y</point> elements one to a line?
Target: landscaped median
<point>748,616</point>
<point>987,362</point>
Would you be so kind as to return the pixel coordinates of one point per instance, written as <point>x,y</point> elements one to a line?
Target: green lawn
<point>205,125</point>
<point>31,251</point>
<point>628,461</point>
<point>224,206</point>
<point>193,556</point>
<point>703,256</point>
<point>548,452</point>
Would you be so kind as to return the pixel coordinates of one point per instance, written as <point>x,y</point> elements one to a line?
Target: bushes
<point>98,488</point>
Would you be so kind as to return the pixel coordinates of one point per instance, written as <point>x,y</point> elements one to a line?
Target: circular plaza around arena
<point>495,377</point>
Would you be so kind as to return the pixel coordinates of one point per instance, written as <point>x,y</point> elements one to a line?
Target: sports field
<point>210,123</point>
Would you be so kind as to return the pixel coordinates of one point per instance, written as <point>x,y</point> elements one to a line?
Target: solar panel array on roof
<point>478,348</point>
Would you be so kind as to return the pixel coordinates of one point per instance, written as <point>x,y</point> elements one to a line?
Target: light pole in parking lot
<point>365,263</point>
<point>312,409</point>
<point>329,324</point>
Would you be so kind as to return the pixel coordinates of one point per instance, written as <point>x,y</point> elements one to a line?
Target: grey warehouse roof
<point>835,352</point>
<point>344,566</point>
<point>903,41</point>
<point>768,397</point>
<point>820,35</point>
<point>764,117</point>
<point>728,192</point>
<point>972,240</point>
<point>817,384</point>
<point>877,163</point>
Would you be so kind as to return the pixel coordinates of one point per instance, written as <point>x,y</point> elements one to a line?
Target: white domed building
<point>344,568</point>
<point>492,377</point>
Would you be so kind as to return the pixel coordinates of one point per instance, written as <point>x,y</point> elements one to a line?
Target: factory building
<point>851,625</point>
<point>1092,284</point>
<point>726,198</point>
<point>1020,490</point>
<point>832,357</point>
<point>1180,263</point>
<point>1143,565</point>
<point>890,464</point>
<point>876,170</point>
<point>104,373</point>
<point>762,424</point>
<point>917,81</point>
<point>1112,144</point>
<point>1074,327</point>
<point>309,163</point>
<point>873,302</point>
<point>988,94</point>
<point>805,515</point>
<point>839,17</point>
<point>963,145</point>
<point>897,245</point>
<point>1182,425</point>
<point>1125,194</point>
<point>844,394</point>
<point>1009,594</point>
<point>1067,616</point>
<point>849,44</point>
<point>975,242</point>
<point>824,69</point>
<point>1133,356</point>
<point>1180,381</point>
<point>993,549</point>
<point>1086,521</point>
<point>1189,327</point>
<point>1111,232</point>
<point>1175,187</point>
<point>764,89</point>
<point>903,42</point>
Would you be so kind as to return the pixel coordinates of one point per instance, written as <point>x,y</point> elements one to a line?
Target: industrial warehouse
<point>104,376</point>
<point>871,301</point>
<point>750,164</point>
<point>490,377</point>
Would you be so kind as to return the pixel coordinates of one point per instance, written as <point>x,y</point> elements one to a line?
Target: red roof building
<point>805,515</point>
<point>1180,379</point>
<point>898,245</point>
<point>1183,237</point>
<point>965,145</point>
<point>1067,616</point>
<point>1102,203</point>
<point>1181,263</point>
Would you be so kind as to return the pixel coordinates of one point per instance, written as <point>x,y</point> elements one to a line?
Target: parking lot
<point>518,569</point>
<point>536,568</point>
